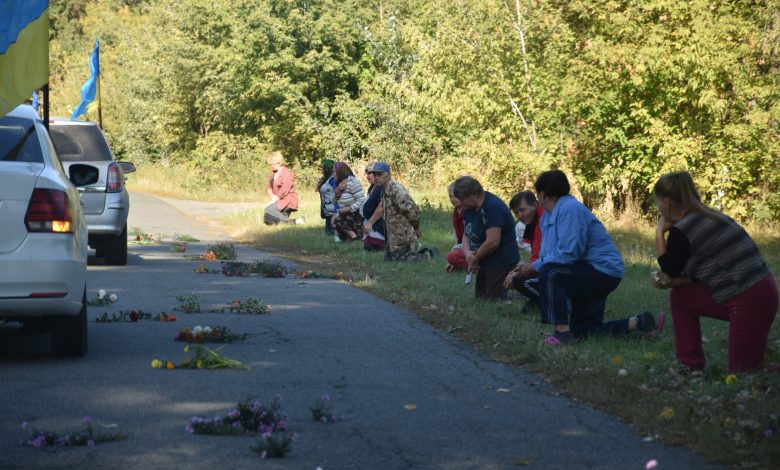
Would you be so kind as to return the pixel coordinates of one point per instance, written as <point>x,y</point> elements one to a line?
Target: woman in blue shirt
<point>578,267</point>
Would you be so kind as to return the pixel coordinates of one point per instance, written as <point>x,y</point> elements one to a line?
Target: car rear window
<point>80,143</point>
<point>19,141</point>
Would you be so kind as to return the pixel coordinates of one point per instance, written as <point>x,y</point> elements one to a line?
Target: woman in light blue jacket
<point>578,267</point>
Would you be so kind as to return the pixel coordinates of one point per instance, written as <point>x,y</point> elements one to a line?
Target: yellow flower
<point>730,379</point>
<point>170,365</point>
<point>667,413</point>
<point>199,364</point>
<point>617,360</point>
<point>156,364</point>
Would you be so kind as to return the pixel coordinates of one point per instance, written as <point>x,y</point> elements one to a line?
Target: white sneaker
<point>337,239</point>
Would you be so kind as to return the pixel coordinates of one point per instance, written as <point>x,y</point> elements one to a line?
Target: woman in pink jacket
<point>281,189</point>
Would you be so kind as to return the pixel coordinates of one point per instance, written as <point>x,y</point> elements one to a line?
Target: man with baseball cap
<point>402,218</point>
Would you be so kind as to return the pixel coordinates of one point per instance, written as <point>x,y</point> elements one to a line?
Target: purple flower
<point>190,429</point>
<point>326,397</point>
<point>263,455</point>
<point>90,443</point>
<point>237,425</point>
<point>266,435</point>
<point>25,425</point>
<point>87,420</point>
<point>333,419</point>
<point>234,414</point>
<point>324,419</point>
<point>768,433</point>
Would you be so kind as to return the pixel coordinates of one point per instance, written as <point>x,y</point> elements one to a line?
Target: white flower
<point>113,298</point>
<point>197,329</point>
<point>207,329</point>
<point>622,373</point>
<point>101,294</point>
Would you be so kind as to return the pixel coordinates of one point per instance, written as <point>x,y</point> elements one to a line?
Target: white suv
<point>43,235</point>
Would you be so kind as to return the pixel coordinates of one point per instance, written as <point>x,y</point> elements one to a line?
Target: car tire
<point>69,333</point>
<point>115,249</point>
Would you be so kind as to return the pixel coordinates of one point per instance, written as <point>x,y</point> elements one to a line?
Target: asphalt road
<point>323,337</point>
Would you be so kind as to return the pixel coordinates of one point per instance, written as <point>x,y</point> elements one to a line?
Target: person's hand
<point>334,217</point>
<point>525,270</point>
<point>473,263</point>
<point>663,226</point>
<point>661,280</point>
<point>508,279</point>
<point>366,227</point>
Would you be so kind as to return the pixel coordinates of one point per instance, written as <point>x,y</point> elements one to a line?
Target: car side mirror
<point>83,175</point>
<point>126,167</point>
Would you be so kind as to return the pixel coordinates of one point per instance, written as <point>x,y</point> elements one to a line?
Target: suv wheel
<point>69,333</point>
<point>115,249</point>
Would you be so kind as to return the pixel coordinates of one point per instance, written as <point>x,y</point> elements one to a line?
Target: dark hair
<point>466,186</point>
<point>553,183</point>
<point>678,186</point>
<point>343,171</point>
<point>527,196</point>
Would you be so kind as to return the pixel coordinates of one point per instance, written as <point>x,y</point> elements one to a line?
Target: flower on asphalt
<point>768,433</point>
<point>190,429</point>
<point>197,329</point>
<point>156,364</point>
<point>87,420</point>
<point>622,373</point>
<point>25,424</point>
<point>113,298</point>
<point>90,443</point>
<point>101,294</point>
<point>651,464</point>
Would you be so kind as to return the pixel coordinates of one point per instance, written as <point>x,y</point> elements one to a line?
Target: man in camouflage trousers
<point>402,218</point>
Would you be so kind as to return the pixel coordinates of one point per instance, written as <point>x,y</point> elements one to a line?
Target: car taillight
<point>115,179</point>
<point>48,211</point>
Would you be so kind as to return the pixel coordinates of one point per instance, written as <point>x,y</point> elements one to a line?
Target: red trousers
<point>749,314</point>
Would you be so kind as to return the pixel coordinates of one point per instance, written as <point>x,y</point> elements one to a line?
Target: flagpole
<point>45,105</point>
<point>100,102</point>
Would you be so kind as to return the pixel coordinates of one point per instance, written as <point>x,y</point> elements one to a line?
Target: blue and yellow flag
<point>90,86</point>
<point>24,50</point>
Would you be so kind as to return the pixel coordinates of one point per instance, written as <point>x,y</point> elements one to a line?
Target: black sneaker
<point>645,322</point>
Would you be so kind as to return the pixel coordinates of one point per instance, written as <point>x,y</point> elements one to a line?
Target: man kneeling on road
<point>402,218</point>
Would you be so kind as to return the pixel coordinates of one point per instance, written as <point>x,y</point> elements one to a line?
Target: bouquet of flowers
<point>248,417</point>
<point>208,334</point>
<point>204,358</point>
<point>88,437</point>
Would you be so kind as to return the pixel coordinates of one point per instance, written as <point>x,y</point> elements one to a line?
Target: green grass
<point>725,422</point>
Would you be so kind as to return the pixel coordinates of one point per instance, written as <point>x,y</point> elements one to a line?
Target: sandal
<point>559,338</point>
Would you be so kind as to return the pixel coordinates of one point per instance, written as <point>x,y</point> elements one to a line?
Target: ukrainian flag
<point>24,50</point>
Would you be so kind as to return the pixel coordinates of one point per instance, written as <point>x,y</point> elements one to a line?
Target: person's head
<point>550,186</point>
<point>381,172</point>
<point>456,203</point>
<point>675,194</point>
<point>369,175</point>
<point>276,160</point>
<point>343,171</point>
<point>469,191</point>
<point>327,168</point>
<point>523,205</point>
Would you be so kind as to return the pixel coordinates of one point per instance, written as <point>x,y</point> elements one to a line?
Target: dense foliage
<point>613,92</point>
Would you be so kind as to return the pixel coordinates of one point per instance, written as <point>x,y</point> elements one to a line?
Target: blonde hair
<point>678,186</point>
<point>275,157</point>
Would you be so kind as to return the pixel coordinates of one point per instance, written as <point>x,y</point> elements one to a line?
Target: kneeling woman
<point>714,269</point>
<point>347,221</point>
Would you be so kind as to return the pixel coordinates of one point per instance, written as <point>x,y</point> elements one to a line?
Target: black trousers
<point>576,294</point>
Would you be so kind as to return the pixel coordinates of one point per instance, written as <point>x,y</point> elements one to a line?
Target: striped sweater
<point>353,195</point>
<point>723,257</point>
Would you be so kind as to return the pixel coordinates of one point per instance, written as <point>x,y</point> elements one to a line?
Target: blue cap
<point>380,167</point>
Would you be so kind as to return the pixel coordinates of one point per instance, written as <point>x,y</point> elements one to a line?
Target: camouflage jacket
<point>402,216</point>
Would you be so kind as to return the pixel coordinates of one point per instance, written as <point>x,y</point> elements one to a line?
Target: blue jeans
<point>576,295</point>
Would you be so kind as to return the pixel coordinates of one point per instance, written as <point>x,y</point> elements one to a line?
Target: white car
<point>43,234</point>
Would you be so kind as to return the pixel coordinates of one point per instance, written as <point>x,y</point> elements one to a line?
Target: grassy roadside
<point>730,419</point>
